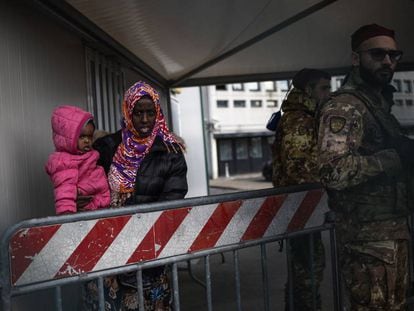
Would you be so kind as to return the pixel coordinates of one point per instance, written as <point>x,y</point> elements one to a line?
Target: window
<point>397,84</point>
<point>225,150</point>
<point>272,103</point>
<point>270,86</point>
<point>239,103</point>
<point>105,88</point>
<point>399,102</point>
<point>339,82</point>
<point>222,104</point>
<point>242,150</point>
<point>270,140</point>
<point>255,103</point>
<point>256,148</point>
<point>409,102</point>
<point>408,86</point>
<point>221,87</point>
<point>238,87</point>
<point>253,86</point>
<point>283,85</point>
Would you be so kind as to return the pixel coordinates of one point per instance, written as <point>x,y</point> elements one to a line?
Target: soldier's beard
<point>378,78</point>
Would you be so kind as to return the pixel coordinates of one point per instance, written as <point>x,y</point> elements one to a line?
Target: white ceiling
<point>175,37</point>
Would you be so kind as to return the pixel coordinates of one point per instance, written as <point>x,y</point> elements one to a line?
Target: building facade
<point>236,115</point>
<point>235,119</point>
<point>404,100</point>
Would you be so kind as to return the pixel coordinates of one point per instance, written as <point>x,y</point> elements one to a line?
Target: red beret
<point>369,31</point>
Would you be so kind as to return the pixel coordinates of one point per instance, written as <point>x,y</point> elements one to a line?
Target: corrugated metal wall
<point>41,66</point>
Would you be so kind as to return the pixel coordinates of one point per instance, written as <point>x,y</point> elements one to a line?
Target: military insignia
<point>336,124</point>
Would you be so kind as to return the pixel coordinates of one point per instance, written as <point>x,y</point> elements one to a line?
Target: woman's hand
<point>82,201</point>
<point>118,199</point>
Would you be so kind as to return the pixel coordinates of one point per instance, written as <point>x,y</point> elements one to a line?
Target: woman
<point>144,162</point>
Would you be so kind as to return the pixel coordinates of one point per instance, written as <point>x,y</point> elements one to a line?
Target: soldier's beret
<point>369,31</point>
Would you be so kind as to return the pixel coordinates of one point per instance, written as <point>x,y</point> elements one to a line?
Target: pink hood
<point>67,123</point>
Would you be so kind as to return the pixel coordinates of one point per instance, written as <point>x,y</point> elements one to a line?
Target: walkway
<point>253,181</point>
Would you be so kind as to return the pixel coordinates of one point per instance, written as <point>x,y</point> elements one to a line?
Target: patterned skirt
<point>120,292</point>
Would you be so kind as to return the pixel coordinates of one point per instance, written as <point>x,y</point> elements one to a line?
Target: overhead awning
<point>190,42</point>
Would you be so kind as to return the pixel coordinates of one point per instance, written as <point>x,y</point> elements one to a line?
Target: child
<point>72,167</point>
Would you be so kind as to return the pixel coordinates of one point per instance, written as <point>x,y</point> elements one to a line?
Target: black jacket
<point>162,175</point>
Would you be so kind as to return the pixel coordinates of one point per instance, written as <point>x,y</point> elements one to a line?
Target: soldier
<point>295,162</point>
<point>366,164</point>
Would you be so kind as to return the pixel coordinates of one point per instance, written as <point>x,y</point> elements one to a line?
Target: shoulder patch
<point>336,124</point>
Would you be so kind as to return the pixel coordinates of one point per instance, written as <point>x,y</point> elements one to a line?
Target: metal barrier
<point>54,251</point>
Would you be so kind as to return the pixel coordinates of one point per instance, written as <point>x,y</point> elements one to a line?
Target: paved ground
<point>239,182</point>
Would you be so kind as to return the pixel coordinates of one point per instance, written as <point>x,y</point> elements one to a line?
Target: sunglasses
<point>379,54</point>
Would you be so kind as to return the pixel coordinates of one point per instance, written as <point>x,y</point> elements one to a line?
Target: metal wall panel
<point>41,66</point>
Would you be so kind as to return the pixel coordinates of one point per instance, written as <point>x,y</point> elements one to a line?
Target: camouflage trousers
<point>375,274</point>
<point>307,273</point>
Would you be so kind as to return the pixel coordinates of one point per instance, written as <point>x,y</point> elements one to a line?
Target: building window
<point>283,85</point>
<point>399,102</point>
<point>272,103</point>
<point>253,86</point>
<point>256,148</point>
<point>255,103</point>
<point>270,140</point>
<point>409,102</point>
<point>239,103</point>
<point>397,84</point>
<point>242,150</point>
<point>105,89</point>
<point>270,86</point>
<point>225,150</point>
<point>222,104</point>
<point>408,86</point>
<point>339,82</point>
<point>238,87</point>
<point>221,87</point>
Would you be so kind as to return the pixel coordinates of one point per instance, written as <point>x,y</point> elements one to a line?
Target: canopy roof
<point>193,42</point>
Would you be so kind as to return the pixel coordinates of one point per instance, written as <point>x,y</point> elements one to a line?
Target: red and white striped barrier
<point>56,251</point>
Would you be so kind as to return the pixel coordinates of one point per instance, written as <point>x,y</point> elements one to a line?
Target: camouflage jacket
<point>362,173</point>
<point>294,149</point>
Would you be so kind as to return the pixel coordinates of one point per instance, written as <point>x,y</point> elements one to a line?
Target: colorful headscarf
<point>133,149</point>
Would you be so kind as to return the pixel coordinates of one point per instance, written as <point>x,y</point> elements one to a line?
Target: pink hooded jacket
<point>71,171</point>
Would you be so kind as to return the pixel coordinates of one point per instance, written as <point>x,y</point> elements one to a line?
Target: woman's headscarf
<point>133,149</point>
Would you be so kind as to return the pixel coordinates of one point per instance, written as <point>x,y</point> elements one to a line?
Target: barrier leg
<point>58,298</point>
<point>208,282</point>
<point>237,278</point>
<point>336,280</point>
<point>176,290</point>
<point>289,298</point>
<point>265,278</point>
<point>101,294</point>
<point>140,290</point>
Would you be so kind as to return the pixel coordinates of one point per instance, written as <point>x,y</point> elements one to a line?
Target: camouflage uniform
<point>367,190</point>
<point>294,162</point>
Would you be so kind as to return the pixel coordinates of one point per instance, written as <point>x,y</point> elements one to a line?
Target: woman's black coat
<point>162,175</point>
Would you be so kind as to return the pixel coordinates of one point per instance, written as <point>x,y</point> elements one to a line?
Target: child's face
<point>85,138</point>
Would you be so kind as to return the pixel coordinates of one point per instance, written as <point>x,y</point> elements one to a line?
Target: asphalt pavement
<point>254,181</point>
